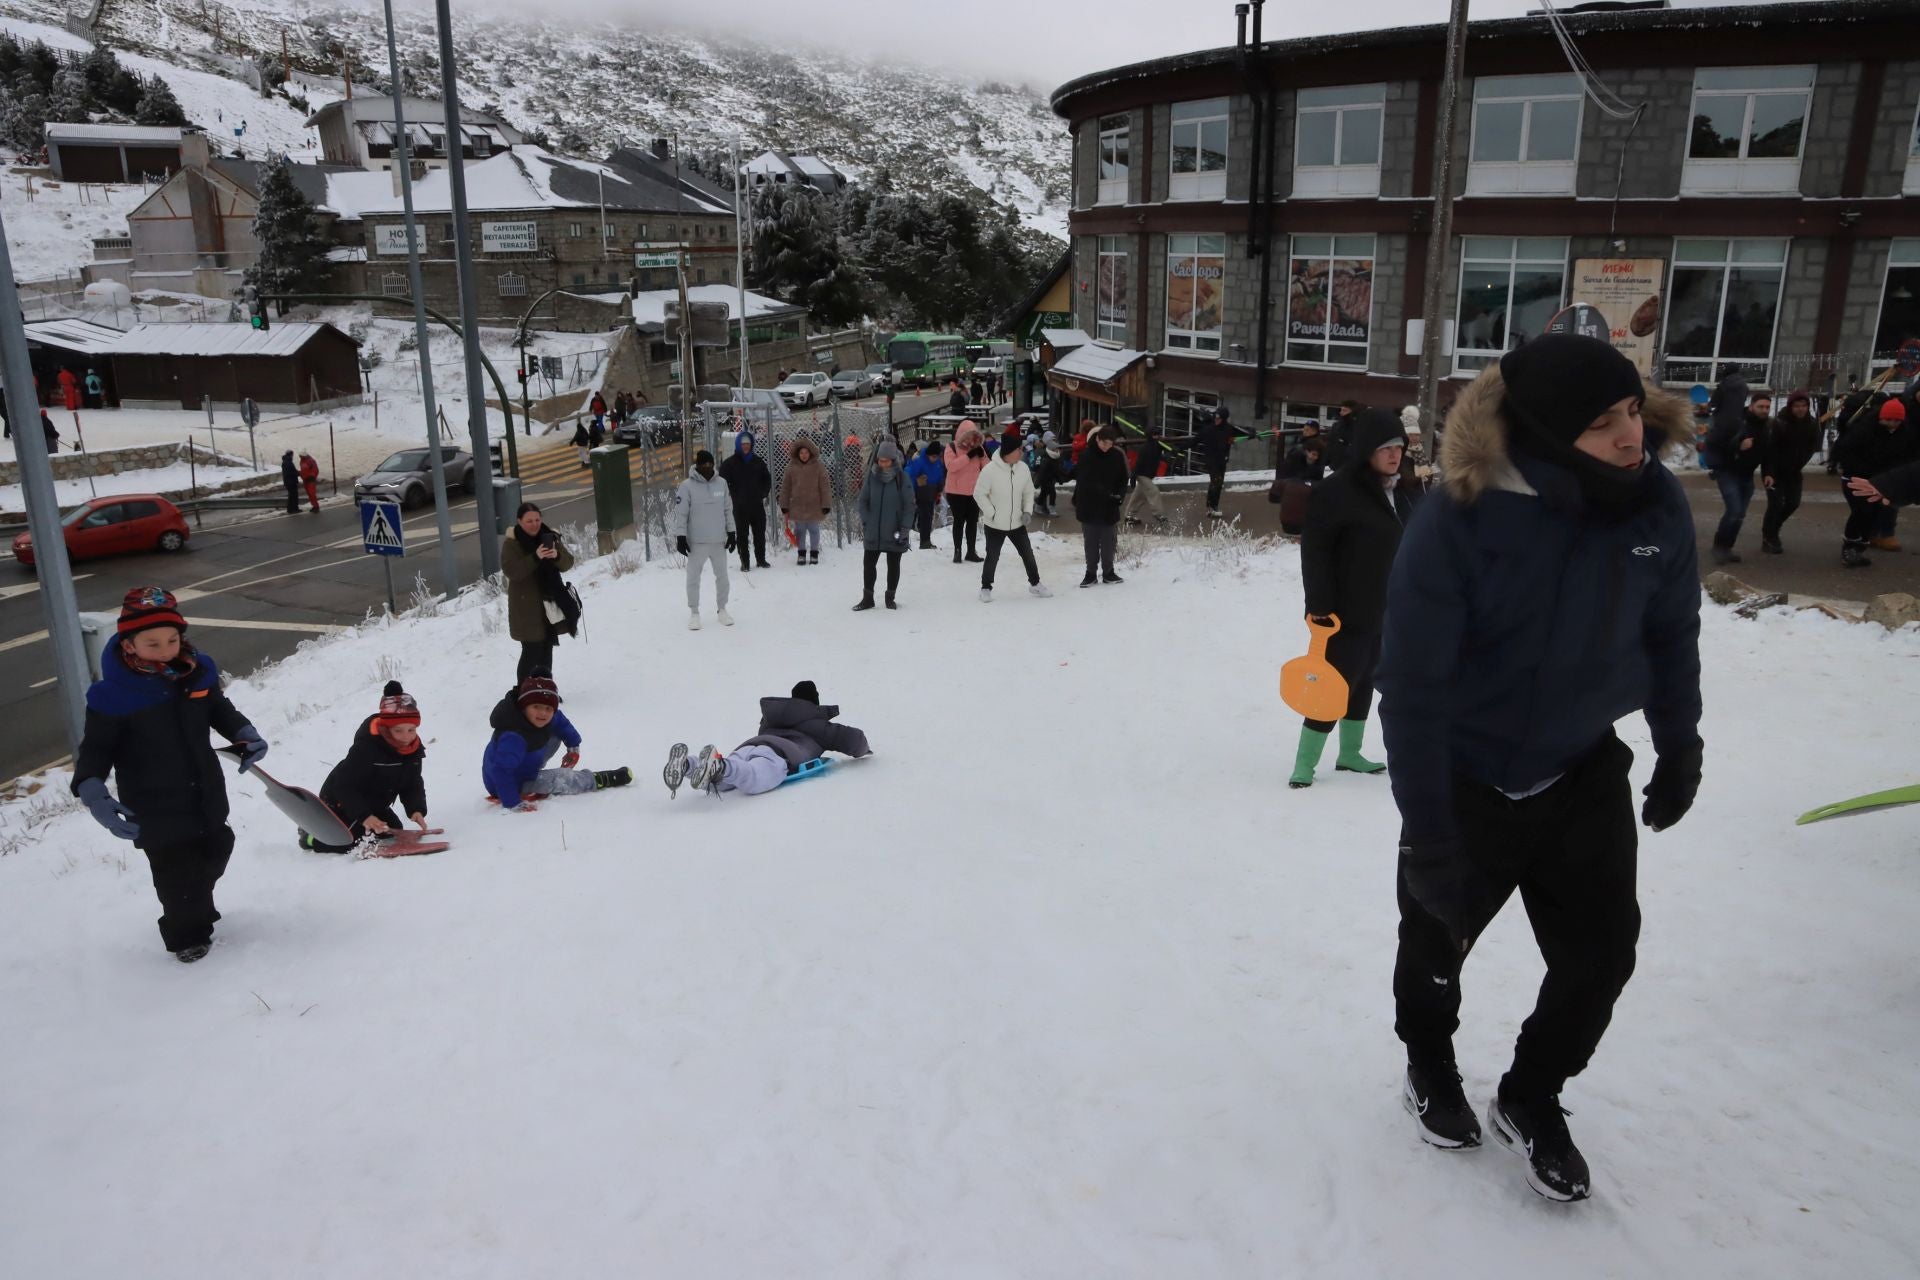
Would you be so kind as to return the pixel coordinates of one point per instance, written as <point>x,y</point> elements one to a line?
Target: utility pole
<point>402,156</point>
<point>469,302</point>
<point>57,599</point>
<point>740,264</point>
<point>1442,222</point>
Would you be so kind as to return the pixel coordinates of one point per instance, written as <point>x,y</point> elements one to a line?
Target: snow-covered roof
<point>1096,363</point>
<point>1065,340</point>
<point>347,253</point>
<point>83,336</point>
<point>425,110</point>
<point>524,179</point>
<point>650,305</point>
<point>103,134</point>
<point>283,339</point>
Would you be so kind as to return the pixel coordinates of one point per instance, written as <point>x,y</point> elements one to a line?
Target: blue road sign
<point>380,529</point>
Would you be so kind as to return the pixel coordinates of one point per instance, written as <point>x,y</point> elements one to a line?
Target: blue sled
<point>811,769</point>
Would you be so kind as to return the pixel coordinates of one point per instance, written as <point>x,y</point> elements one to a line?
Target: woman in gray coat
<point>886,519</point>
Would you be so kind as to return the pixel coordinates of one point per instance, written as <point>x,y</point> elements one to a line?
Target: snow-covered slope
<point>1063,982</point>
<point>594,86</point>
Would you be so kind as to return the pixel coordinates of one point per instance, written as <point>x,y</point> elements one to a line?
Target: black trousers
<point>1100,541</point>
<point>359,830</point>
<point>535,655</point>
<point>183,879</point>
<point>1783,499</point>
<point>1049,484</point>
<point>1355,655</point>
<point>1572,852</point>
<point>996,538</point>
<point>1216,480</point>
<point>869,567</point>
<point>966,518</point>
<point>751,516</point>
<point>924,501</point>
<point>293,496</point>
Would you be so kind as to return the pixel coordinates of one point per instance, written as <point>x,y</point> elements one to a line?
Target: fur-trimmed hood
<point>1474,457</point>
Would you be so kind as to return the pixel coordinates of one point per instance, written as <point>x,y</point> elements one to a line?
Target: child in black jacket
<point>382,768</point>
<point>147,722</point>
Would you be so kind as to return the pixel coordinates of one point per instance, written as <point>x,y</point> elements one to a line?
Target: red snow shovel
<point>1309,684</point>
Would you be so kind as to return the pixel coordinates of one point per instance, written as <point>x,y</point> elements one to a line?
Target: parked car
<point>110,525</point>
<point>407,477</point>
<point>884,375</point>
<point>653,424</point>
<point>804,390</point>
<point>851,384</point>
<point>996,365</point>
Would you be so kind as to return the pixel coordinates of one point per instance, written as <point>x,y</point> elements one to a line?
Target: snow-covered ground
<point>155,480</point>
<point>51,225</point>
<point>1064,981</point>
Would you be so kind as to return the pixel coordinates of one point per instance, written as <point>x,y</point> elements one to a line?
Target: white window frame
<point>1911,186</point>
<point>1207,184</point>
<point>1524,177</point>
<point>393,283</point>
<point>1717,360</point>
<point>1339,179</point>
<point>1113,190</point>
<point>1124,318</point>
<point>1741,175</point>
<point>1195,342</point>
<point>1469,361</point>
<point>1332,255</point>
<point>575,230</point>
<point>1902,255</point>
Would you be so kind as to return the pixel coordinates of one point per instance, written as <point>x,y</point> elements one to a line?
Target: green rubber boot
<point>1350,759</point>
<point>1312,743</point>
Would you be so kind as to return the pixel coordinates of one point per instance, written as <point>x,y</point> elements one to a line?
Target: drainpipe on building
<point>1260,235</point>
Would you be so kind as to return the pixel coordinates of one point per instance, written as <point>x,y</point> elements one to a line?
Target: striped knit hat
<point>146,607</point>
<point>396,707</point>
<point>538,691</point>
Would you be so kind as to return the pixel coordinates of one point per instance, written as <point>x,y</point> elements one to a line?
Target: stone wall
<point>1836,95</point>
<point>1893,129</point>
<point>113,462</point>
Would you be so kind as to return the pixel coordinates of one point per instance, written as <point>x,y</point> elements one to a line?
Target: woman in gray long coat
<point>886,519</point>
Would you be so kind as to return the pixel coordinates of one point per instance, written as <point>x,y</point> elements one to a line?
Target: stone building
<point>1756,206</point>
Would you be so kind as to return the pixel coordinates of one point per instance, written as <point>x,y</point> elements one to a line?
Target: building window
<point>511,285</point>
<point>1330,300</point>
<point>643,231</point>
<point>1748,127</point>
<point>1912,184</point>
<point>1110,321</point>
<point>1185,412</point>
<point>446,233</point>
<point>1199,151</point>
<point>609,233</point>
<point>1526,135</point>
<point>1721,308</point>
<point>1196,279</point>
<point>1337,141</point>
<point>1899,303</point>
<point>1510,286</point>
<point>393,284</point>
<point>1114,160</point>
<point>576,229</point>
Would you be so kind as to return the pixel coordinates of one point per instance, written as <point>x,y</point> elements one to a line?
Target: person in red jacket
<point>69,390</point>
<point>310,477</point>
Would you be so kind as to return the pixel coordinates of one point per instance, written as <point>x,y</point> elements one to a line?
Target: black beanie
<point>806,692</point>
<point>1559,383</point>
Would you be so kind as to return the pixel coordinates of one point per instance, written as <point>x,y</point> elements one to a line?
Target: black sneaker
<point>187,955</point>
<point>1433,1096</point>
<point>1772,546</point>
<point>604,778</point>
<point>1088,581</point>
<point>1112,580</point>
<point>1536,1129</point>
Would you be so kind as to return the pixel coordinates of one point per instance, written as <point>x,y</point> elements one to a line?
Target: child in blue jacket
<point>528,727</point>
<point>928,476</point>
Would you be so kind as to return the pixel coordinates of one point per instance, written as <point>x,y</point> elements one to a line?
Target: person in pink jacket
<point>964,458</point>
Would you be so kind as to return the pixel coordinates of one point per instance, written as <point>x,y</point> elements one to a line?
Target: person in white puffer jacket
<point>1005,494</point>
<point>704,533</point>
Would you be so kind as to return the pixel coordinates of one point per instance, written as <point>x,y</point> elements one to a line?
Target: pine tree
<point>158,105</point>
<point>293,252</point>
<point>70,98</point>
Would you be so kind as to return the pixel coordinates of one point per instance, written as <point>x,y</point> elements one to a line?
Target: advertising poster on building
<point>1330,300</point>
<point>509,237</point>
<point>391,238</point>
<point>1193,291</point>
<point>1627,292</point>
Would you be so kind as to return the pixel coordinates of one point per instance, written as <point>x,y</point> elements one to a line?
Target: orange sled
<point>1309,684</point>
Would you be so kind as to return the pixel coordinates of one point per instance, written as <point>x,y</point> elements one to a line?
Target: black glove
<point>1670,793</point>
<point>680,545</point>
<point>1444,882</point>
<point>730,541</point>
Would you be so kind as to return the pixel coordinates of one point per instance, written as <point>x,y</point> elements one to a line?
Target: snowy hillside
<point>594,86</point>
<point>1064,981</point>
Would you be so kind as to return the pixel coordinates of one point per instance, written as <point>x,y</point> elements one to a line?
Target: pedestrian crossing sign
<point>380,529</point>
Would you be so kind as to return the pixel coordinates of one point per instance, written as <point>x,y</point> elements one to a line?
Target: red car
<point>109,525</point>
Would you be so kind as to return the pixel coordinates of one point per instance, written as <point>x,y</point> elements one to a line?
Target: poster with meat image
<point>1193,291</point>
<point>1330,300</point>
<point>1627,291</point>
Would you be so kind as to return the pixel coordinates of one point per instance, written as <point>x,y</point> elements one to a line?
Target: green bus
<point>927,358</point>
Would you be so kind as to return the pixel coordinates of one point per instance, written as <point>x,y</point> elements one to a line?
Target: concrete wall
<point>1823,150</point>
<point>1799,311</point>
<point>1860,314</point>
<point>1893,128</point>
<point>1654,147</point>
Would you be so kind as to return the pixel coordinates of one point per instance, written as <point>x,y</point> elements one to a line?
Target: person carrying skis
<point>794,732</point>
<point>1099,491</point>
<point>964,459</point>
<point>381,769</point>
<point>1874,444</point>
<point>1005,496</point>
<point>928,474</point>
<point>290,481</point>
<point>703,532</point>
<point>1787,444</point>
<point>1216,447</point>
<point>1352,531</point>
<point>806,498</point>
<point>749,484</point>
<point>1548,588</point>
<point>310,480</point>
<point>886,521</point>
<point>528,727</point>
<point>1731,452</point>
<point>148,718</point>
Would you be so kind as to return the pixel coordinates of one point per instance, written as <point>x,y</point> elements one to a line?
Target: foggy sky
<point>1042,43</point>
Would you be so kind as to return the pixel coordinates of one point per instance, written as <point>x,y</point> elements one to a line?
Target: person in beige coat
<point>806,497</point>
<point>529,550</point>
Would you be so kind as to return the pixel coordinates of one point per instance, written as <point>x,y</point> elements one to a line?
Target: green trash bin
<point>612,495</point>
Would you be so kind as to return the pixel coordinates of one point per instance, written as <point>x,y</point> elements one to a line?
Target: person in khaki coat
<point>529,549</point>
<point>806,495</point>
